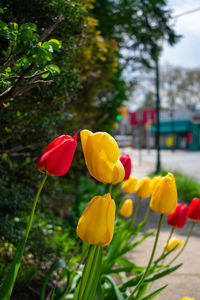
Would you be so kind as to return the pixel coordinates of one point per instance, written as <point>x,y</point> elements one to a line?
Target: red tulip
<point>126,161</point>
<point>58,155</point>
<point>178,217</point>
<point>194,209</point>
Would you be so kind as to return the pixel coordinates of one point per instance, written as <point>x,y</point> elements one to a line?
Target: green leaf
<point>127,249</point>
<point>8,284</point>
<point>115,289</point>
<point>53,68</point>
<point>154,277</point>
<point>55,44</point>
<point>58,264</point>
<point>52,294</point>
<point>155,293</point>
<point>96,276</point>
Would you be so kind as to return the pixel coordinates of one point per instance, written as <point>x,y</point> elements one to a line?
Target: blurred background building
<point>178,130</point>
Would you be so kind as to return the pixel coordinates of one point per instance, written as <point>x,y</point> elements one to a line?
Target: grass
<point>187,187</point>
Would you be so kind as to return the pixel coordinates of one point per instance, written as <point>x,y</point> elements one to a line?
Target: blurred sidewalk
<point>186,280</point>
<point>144,161</point>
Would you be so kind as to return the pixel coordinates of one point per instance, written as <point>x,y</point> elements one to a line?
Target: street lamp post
<point>157,115</point>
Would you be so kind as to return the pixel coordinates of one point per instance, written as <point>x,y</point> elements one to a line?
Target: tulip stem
<point>170,235</point>
<point>185,244</point>
<point>8,284</point>
<point>150,260</point>
<point>110,188</point>
<point>34,207</point>
<point>83,279</point>
<point>136,211</point>
<point>90,281</point>
<point>146,214</point>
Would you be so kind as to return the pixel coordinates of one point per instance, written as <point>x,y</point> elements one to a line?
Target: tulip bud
<point>194,209</point>
<point>96,224</point>
<point>126,161</point>
<point>164,197</point>
<point>101,154</point>
<point>178,218</point>
<point>129,185</point>
<point>153,183</point>
<point>127,208</point>
<point>172,243</point>
<point>57,157</point>
<point>143,188</point>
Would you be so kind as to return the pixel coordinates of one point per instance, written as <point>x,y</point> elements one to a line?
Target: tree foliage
<point>80,58</point>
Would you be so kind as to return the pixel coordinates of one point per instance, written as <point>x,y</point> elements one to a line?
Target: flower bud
<point>194,209</point>
<point>57,157</point>
<point>143,188</point>
<point>126,162</point>
<point>172,243</point>
<point>164,197</point>
<point>96,224</point>
<point>127,208</point>
<point>178,218</point>
<point>129,185</point>
<point>101,154</point>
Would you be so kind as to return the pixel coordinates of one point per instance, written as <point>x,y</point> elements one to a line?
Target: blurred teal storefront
<point>179,134</point>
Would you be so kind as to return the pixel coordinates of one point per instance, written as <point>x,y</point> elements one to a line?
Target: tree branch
<point>49,30</point>
<point>10,62</point>
<point>4,97</point>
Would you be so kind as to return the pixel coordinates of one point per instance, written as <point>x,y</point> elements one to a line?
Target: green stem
<point>136,211</point>
<point>91,276</point>
<point>83,279</point>
<point>150,260</point>
<point>120,204</point>
<point>28,228</point>
<point>185,244</point>
<point>146,214</point>
<point>170,235</point>
<point>8,284</point>
<point>110,188</point>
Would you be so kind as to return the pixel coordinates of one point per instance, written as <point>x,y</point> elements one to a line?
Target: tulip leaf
<point>59,263</point>
<point>115,288</point>
<point>154,277</point>
<point>142,291</point>
<point>52,294</point>
<point>128,248</point>
<point>86,272</point>
<point>133,282</point>
<point>165,255</point>
<point>96,275</point>
<point>122,261</point>
<point>154,293</point>
<point>8,284</point>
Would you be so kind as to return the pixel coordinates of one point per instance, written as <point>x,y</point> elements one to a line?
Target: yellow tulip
<point>172,243</point>
<point>154,182</point>
<point>127,208</point>
<point>129,185</point>
<point>164,197</point>
<point>101,154</point>
<point>187,298</point>
<point>143,188</point>
<point>96,223</point>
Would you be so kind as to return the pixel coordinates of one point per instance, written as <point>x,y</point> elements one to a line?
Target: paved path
<point>187,162</point>
<point>186,280</point>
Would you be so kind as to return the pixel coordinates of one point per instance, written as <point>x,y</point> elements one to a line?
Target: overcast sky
<point>186,52</point>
